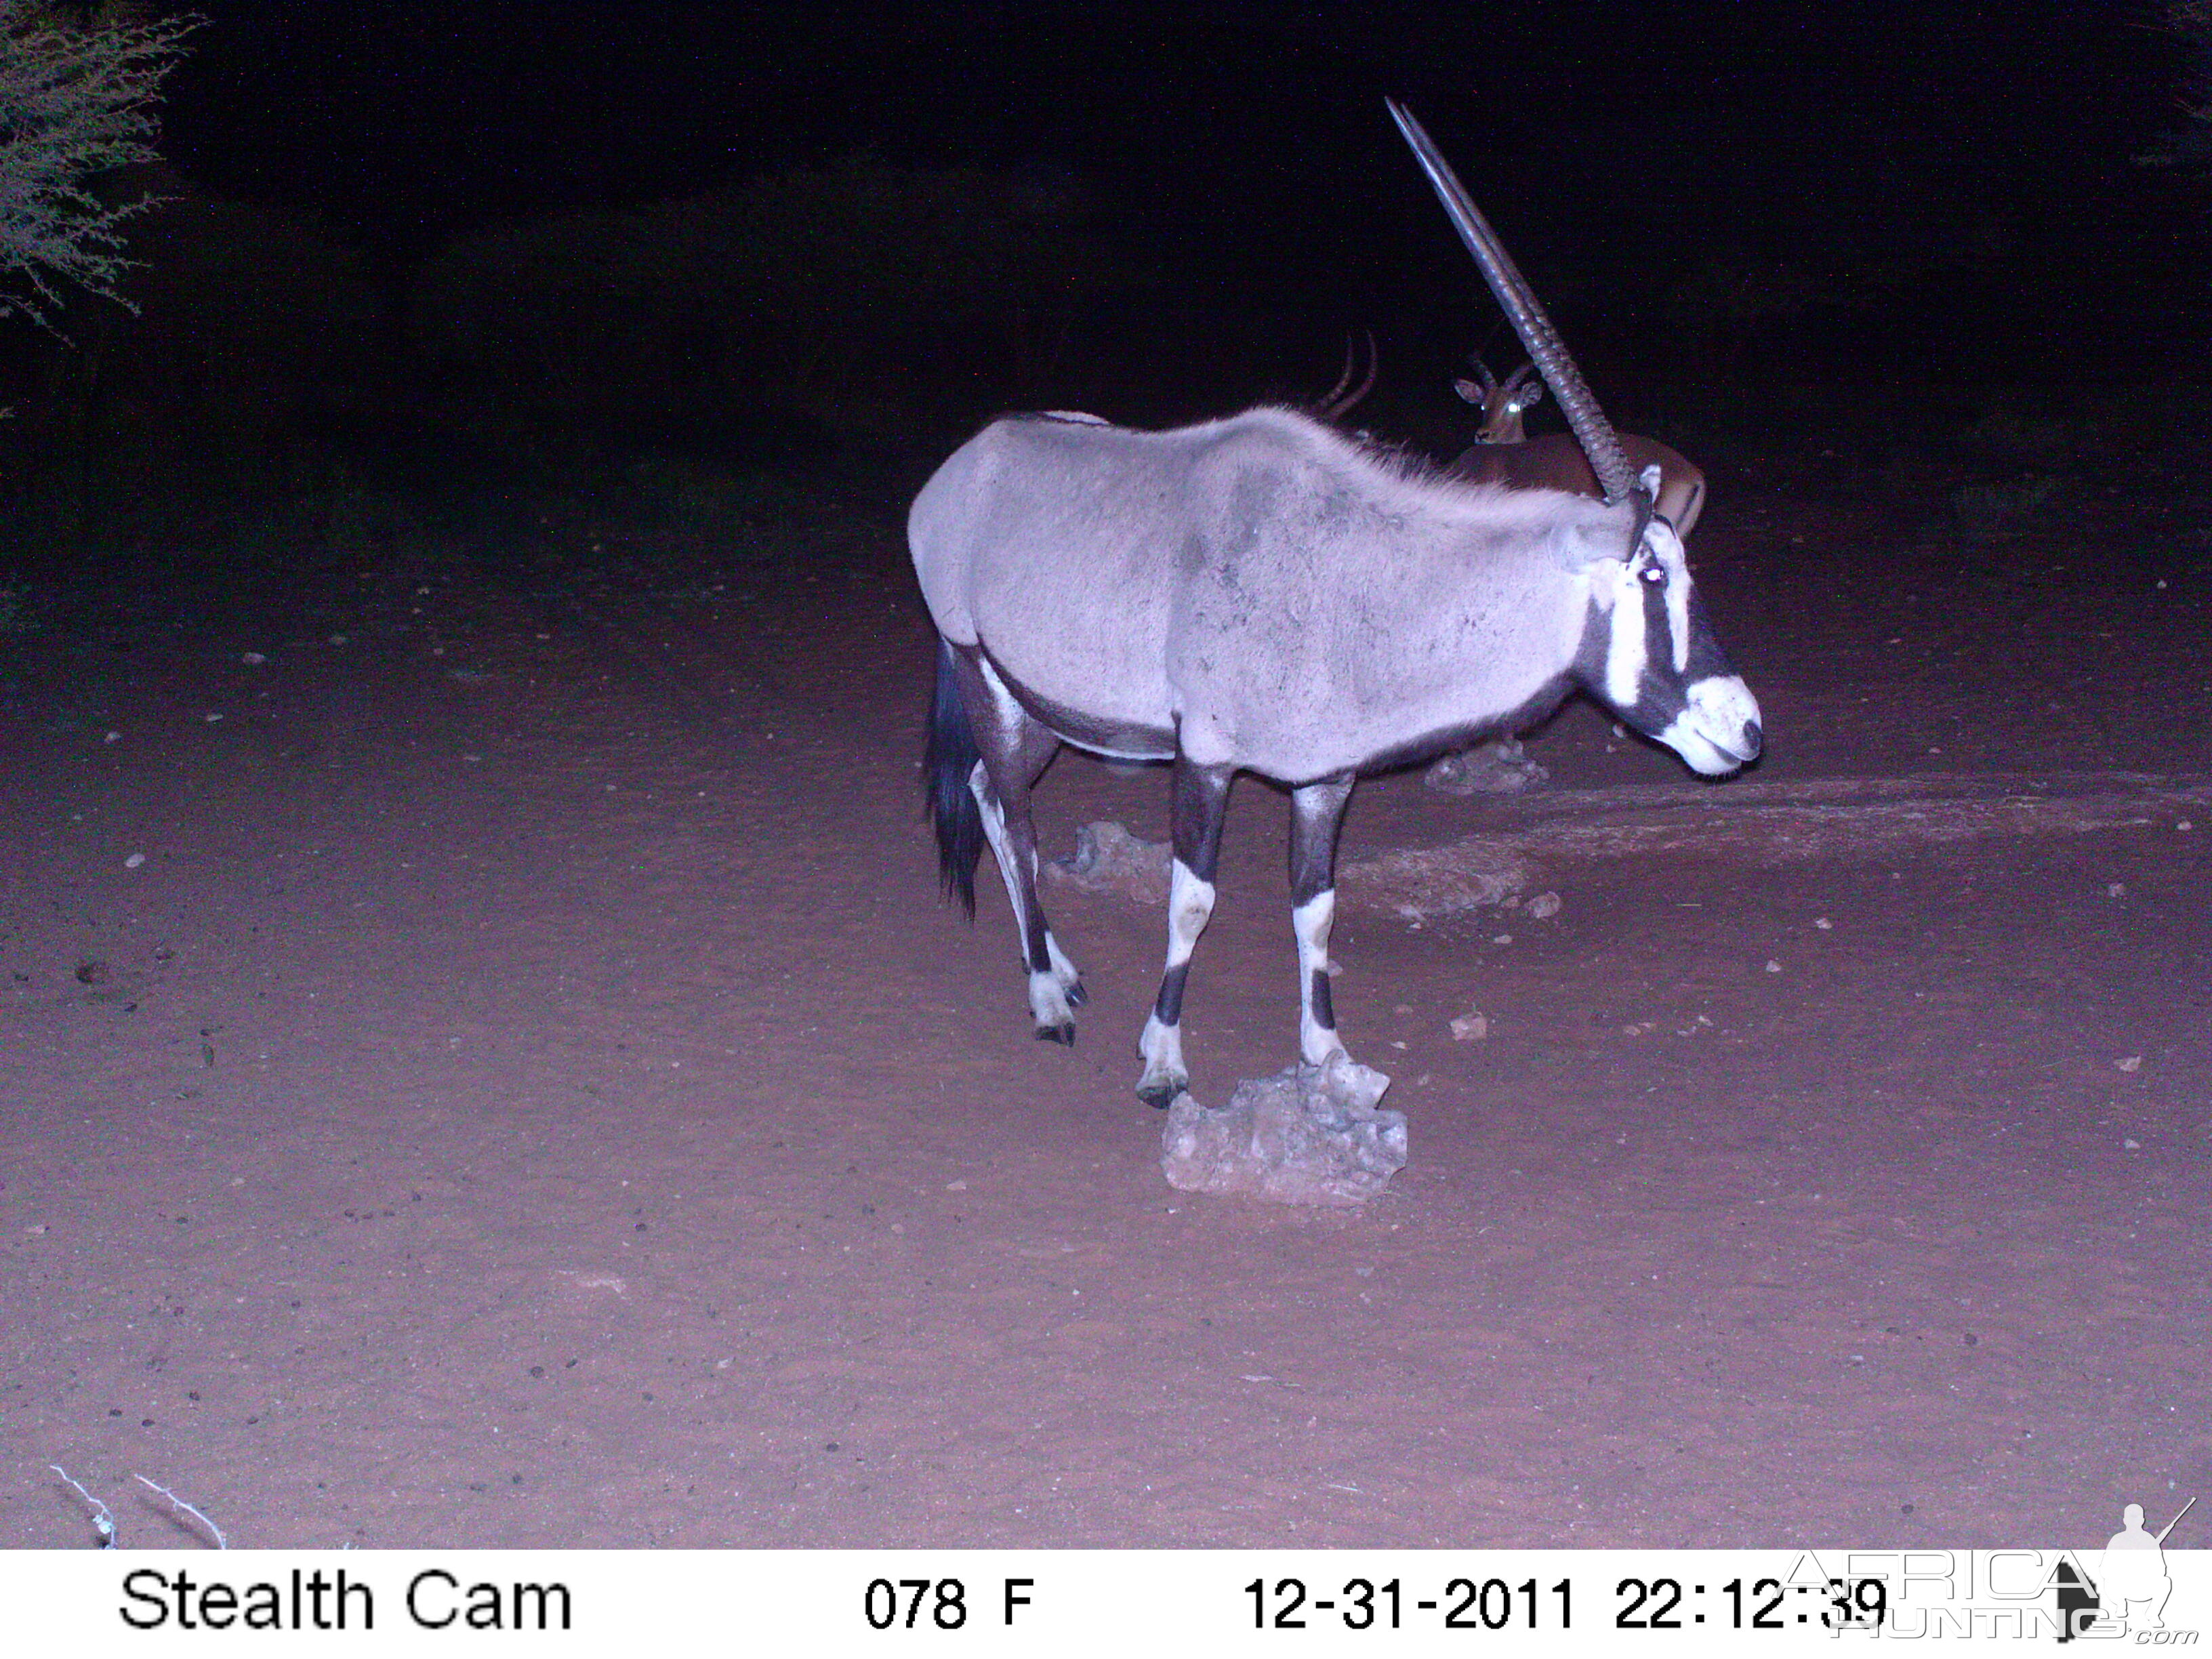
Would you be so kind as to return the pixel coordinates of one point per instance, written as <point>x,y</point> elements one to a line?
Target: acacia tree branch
<point>76,102</point>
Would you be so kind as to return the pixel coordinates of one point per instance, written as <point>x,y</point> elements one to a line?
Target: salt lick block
<point>1310,1135</point>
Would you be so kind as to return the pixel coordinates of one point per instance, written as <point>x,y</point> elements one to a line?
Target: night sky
<point>1945,188</point>
<point>1243,153</point>
<point>412,118</point>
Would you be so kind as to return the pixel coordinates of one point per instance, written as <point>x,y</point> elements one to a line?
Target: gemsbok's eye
<point>1654,573</point>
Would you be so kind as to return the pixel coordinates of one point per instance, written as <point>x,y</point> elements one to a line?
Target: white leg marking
<point>1049,1003</point>
<point>1190,902</point>
<point>994,831</point>
<point>1311,921</point>
<point>1162,1048</point>
<point>1010,718</point>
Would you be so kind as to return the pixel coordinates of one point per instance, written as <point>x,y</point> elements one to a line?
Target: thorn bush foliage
<point>77,97</point>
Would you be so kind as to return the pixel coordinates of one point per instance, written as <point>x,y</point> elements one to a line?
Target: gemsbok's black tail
<point>946,766</point>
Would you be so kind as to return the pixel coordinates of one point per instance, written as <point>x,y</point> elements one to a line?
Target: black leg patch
<point>1324,1009</point>
<point>1316,815</point>
<point>1168,1008</point>
<point>1196,812</point>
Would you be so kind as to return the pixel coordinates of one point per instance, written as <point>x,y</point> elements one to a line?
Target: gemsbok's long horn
<point>1591,428</point>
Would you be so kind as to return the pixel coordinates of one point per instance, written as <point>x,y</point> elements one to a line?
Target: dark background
<point>429,250</point>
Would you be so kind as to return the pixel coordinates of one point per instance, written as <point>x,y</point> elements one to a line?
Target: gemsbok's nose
<point>1748,747</point>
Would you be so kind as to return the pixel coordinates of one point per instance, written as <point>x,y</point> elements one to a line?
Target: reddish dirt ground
<point>529,1093</point>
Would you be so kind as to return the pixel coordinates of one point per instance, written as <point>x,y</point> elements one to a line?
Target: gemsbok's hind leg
<point>1316,815</point>
<point>1015,750</point>
<point>1201,798</point>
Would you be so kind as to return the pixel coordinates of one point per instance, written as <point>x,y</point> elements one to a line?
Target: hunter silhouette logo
<point>2131,1585</point>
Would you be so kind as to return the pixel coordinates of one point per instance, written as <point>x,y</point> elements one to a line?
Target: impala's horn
<point>1338,402</point>
<point>1592,429</point>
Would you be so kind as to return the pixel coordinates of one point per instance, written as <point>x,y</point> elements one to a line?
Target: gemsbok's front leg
<point>1316,815</point>
<point>1200,800</point>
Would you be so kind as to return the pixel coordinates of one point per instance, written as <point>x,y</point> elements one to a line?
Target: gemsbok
<point>1262,594</point>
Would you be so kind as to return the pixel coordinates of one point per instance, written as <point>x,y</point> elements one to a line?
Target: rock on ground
<point>1498,768</point>
<point>1108,859</point>
<point>1310,1135</point>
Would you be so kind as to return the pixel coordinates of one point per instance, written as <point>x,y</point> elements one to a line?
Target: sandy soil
<point>529,1093</point>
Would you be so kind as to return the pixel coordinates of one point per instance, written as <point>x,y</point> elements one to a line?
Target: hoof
<point>1160,1095</point>
<point>1063,1034</point>
<point>1077,996</point>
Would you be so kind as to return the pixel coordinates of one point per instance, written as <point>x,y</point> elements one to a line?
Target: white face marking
<point>1623,600</point>
<point>1621,590</point>
<point>1708,734</point>
<point>1665,547</point>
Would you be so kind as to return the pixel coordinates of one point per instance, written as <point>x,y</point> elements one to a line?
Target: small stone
<point>2132,1063</point>
<point>254,660</point>
<point>337,639</point>
<point>1471,1027</point>
<point>2184,824</point>
<point>2116,889</point>
<point>2130,1143</point>
<point>1823,923</point>
<point>134,860</point>
<point>1543,906</point>
<point>955,1186</point>
<point>1773,966</point>
<point>117,737</point>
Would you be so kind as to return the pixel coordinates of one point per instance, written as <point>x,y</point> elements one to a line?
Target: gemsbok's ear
<point>1584,538</point>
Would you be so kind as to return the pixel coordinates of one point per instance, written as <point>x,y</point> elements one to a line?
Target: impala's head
<point>1502,405</point>
<point>1649,654</point>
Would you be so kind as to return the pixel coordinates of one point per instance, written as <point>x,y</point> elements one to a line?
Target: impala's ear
<point>1531,392</point>
<point>1468,391</point>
